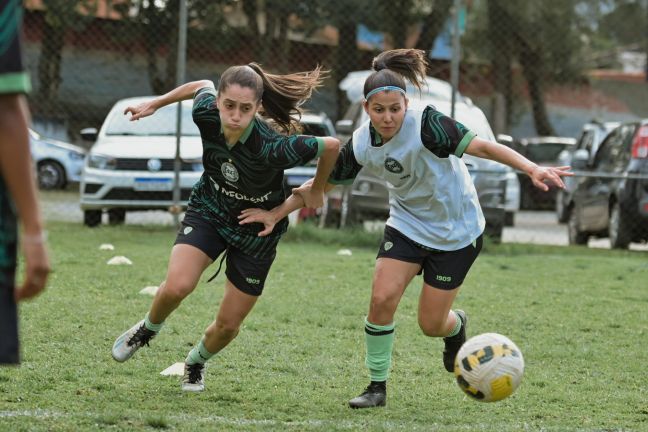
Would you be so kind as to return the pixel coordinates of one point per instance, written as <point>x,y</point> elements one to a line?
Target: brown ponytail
<point>393,67</point>
<point>280,95</point>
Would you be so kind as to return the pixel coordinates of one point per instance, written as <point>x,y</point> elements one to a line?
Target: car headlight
<point>102,162</point>
<point>76,156</point>
<point>196,164</point>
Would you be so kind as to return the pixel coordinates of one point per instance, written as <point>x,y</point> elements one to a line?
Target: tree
<point>155,25</point>
<point>433,24</point>
<point>502,52</point>
<point>344,16</point>
<point>545,40</point>
<point>59,17</point>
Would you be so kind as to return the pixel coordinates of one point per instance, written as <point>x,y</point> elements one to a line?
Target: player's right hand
<point>144,109</point>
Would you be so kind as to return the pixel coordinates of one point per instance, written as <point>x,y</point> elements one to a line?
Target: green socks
<point>380,341</point>
<point>198,354</point>
<point>457,327</point>
<point>149,325</point>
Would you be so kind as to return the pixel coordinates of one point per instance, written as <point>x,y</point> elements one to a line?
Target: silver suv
<point>131,164</point>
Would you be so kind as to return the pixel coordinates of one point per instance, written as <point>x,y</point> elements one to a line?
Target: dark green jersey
<point>245,175</point>
<point>13,79</point>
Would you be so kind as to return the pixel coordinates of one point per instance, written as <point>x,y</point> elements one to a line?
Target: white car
<point>57,163</point>
<point>131,164</point>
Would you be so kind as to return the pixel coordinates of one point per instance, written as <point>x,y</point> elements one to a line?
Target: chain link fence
<point>562,69</point>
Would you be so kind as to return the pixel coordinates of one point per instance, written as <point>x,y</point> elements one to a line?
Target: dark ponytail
<point>393,67</point>
<point>280,95</point>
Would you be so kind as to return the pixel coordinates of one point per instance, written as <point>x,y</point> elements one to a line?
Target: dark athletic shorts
<point>246,272</point>
<point>445,270</point>
<point>9,347</point>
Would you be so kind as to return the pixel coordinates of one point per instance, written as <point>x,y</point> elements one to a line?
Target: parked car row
<point>610,197</point>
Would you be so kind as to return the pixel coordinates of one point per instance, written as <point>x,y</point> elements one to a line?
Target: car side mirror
<point>88,134</point>
<point>344,127</point>
<point>580,159</point>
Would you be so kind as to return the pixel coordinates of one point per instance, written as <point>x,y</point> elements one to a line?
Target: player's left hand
<point>258,215</point>
<point>313,198</point>
<point>540,176</point>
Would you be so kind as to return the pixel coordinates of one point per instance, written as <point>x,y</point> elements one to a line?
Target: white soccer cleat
<point>193,379</point>
<point>132,340</point>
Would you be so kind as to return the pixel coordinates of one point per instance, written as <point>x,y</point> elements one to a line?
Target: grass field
<point>578,315</point>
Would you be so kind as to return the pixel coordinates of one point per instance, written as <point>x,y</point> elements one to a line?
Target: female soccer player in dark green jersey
<point>244,159</point>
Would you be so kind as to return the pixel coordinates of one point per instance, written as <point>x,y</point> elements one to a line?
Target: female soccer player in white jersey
<point>435,223</point>
<point>244,158</point>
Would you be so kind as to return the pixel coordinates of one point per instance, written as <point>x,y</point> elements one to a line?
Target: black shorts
<point>441,269</point>
<point>245,271</point>
<point>9,347</point>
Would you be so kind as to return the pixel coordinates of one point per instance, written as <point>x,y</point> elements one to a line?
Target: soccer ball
<point>489,367</point>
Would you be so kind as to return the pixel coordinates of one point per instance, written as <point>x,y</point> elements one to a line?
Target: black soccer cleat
<point>375,395</point>
<point>453,343</point>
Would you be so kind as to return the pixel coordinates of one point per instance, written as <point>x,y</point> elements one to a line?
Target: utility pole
<point>456,55</point>
<point>180,79</point>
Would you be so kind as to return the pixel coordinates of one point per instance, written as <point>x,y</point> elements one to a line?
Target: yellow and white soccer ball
<point>489,367</point>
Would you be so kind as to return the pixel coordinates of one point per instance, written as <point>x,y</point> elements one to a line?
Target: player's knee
<point>432,327</point>
<point>381,300</point>
<point>177,290</point>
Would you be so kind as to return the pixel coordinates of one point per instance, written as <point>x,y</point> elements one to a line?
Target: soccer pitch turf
<point>578,316</point>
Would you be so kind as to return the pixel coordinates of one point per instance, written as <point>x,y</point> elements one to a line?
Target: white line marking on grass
<point>360,424</point>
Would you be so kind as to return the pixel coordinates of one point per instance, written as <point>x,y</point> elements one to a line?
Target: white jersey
<point>432,199</point>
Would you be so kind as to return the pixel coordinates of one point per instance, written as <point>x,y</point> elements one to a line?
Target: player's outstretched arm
<point>313,196</point>
<point>539,174</point>
<point>184,92</point>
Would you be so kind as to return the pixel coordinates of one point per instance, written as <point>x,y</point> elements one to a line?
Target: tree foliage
<point>59,17</point>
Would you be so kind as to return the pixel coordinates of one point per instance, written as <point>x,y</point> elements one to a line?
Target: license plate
<point>153,184</point>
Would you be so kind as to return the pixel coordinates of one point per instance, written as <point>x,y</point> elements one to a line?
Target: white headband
<point>385,88</point>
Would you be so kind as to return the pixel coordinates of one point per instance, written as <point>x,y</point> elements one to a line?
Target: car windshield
<point>545,152</point>
<point>162,123</point>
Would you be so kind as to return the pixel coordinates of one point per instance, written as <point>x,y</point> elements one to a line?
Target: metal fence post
<point>456,55</point>
<point>180,68</point>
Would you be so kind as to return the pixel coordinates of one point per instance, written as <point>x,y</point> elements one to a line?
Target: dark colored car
<point>612,200</point>
<point>543,151</point>
<point>590,138</point>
